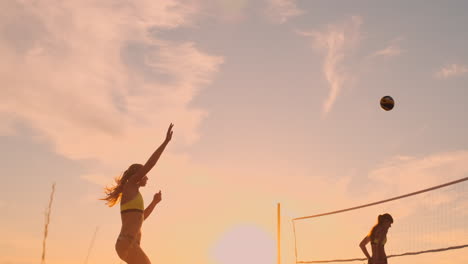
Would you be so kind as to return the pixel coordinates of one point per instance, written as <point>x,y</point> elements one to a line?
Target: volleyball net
<point>430,220</point>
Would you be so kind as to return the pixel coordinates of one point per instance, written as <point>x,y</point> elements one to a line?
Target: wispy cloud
<point>392,50</point>
<point>389,51</point>
<point>280,11</point>
<point>404,173</point>
<point>401,176</point>
<point>451,70</point>
<point>97,73</point>
<point>337,42</point>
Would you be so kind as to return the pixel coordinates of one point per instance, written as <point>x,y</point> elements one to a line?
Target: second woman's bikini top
<point>379,242</point>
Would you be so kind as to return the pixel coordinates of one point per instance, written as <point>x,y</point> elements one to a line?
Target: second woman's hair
<point>380,220</point>
<point>384,217</point>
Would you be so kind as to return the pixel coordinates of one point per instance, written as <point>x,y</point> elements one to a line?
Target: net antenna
<point>295,220</point>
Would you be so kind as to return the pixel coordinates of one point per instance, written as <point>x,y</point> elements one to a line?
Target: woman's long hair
<point>377,226</point>
<point>114,193</point>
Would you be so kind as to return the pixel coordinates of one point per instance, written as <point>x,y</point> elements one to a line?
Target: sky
<point>273,101</point>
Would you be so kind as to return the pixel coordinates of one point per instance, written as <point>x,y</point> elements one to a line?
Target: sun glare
<point>247,244</point>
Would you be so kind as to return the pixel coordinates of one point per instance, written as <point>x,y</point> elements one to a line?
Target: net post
<point>295,240</point>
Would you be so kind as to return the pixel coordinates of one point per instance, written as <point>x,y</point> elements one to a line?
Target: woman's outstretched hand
<point>157,197</point>
<point>169,133</point>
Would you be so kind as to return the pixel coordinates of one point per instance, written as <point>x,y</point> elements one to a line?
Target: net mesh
<point>425,221</point>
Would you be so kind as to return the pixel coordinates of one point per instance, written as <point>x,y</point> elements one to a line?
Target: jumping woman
<point>132,210</point>
<point>377,237</point>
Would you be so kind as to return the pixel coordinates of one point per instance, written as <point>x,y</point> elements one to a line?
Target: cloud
<point>94,79</point>
<point>402,176</point>
<point>280,11</point>
<point>451,70</point>
<point>337,42</point>
<point>411,173</point>
<point>390,51</point>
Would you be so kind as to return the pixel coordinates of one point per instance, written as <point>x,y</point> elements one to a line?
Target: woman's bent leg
<point>123,248</point>
<point>137,256</point>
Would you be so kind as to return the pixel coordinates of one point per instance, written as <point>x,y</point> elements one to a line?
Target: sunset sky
<point>273,101</point>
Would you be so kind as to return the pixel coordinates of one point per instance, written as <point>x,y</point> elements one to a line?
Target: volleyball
<point>387,103</point>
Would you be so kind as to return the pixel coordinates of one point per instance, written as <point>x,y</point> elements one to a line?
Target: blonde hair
<point>114,193</point>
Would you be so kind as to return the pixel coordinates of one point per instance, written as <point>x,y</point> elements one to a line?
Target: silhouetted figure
<point>132,209</point>
<point>377,237</point>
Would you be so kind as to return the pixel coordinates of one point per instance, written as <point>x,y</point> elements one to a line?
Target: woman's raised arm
<point>154,157</point>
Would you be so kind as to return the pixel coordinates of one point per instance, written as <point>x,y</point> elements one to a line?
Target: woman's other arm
<point>362,245</point>
<point>149,209</point>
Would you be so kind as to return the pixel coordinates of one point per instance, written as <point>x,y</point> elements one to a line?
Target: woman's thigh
<point>137,256</point>
<point>123,248</point>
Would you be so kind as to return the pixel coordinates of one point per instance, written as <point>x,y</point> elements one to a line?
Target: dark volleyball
<point>387,103</point>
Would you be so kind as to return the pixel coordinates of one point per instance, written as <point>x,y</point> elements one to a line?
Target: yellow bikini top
<point>134,205</point>
<point>377,241</point>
